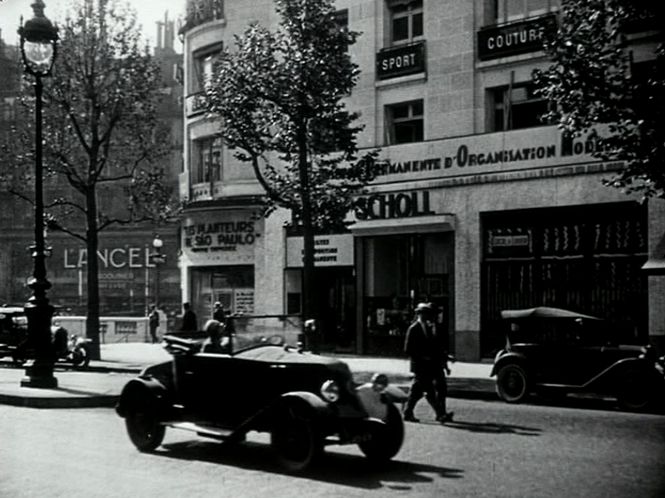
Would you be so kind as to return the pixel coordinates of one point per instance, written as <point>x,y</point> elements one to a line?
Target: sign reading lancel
<point>514,38</point>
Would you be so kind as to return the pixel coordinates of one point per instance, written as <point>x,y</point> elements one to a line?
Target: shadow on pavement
<point>492,428</point>
<point>334,468</point>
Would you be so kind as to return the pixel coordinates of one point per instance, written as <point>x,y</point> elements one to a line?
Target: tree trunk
<point>92,322</point>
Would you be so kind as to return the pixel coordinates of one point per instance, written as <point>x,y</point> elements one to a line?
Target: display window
<point>399,272</point>
<point>233,286</point>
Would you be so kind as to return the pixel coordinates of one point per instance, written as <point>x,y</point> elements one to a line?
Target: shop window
<point>207,160</point>
<point>515,107</point>
<point>514,10</point>
<point>406,21</point>
<point>405,122</point>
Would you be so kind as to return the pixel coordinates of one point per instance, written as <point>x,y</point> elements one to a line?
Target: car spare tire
<point>511,383</point>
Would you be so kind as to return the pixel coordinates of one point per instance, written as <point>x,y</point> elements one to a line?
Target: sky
<point>149,11</point>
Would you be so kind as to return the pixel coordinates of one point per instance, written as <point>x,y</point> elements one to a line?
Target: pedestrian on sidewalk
<point>427,349</point>
<point>153,322</point>
<point>218,313</point>
<point>189,323</point>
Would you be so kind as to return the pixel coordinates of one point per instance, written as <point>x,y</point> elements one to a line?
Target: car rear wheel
<point>295,438</point>
<point>635,391</point>
<point>80,357</point>
<point>145,431</point>
<point>511,383</point>
<point>385,440</point>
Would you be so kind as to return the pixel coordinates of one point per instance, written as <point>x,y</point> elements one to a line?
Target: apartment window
<point>515,107</point>
<point>513,10</point>
<point>207,160</point>
<point>405,122</point>
<point>203,67</point>
<point>406,21</point>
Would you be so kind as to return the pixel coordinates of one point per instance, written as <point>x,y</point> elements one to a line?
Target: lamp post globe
<point>38,39</point>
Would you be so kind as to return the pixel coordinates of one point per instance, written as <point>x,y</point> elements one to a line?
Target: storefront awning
<point>416,224</point>
<point>655,265</point>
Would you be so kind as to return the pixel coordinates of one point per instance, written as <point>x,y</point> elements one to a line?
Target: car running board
<point>204,430</point>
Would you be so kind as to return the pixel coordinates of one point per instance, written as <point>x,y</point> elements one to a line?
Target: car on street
<point>69,348</point>
<point>261,383</point>
<point>557,351</point>
<point>13,331</point>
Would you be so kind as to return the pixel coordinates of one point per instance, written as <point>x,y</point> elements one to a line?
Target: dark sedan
<point>551,350</point>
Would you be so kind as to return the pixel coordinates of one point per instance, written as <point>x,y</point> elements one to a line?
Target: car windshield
<point>252,331</point>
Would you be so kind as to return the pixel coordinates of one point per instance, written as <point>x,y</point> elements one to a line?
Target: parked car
<point>304,400</point>
<point>559,351</point>
<point>67,347</point>
<point>13,331</point>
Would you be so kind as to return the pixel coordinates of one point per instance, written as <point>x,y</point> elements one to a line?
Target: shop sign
<point>401,60</point>
<point>393,205</point>
<point>329,250</point>
<point>510,240</point>
<point>514,38</point>
<point>228,240</point>
<point>109,258</point>
<point>487,153</point>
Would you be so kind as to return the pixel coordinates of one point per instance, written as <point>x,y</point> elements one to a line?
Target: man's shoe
<point>446,417</point>
<point>408,417</point>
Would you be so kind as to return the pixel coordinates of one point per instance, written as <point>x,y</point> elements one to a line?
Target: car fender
<point>308,400</point>
<point>616,371</point>
<point>508,357</point>
<point>140,391</point>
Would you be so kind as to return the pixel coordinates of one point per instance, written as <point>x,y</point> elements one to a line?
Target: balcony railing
<point>200,12</point>
<point>195,103</point>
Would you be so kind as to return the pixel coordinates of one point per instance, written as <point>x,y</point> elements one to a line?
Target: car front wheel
<point>145,431</point>
<point>295,438</point>
<point>511,383</point>
<point>385,440</point>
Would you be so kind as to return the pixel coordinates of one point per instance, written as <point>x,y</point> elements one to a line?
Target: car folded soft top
<point>544,312</point>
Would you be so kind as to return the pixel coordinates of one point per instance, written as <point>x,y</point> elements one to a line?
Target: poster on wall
<point>243,301</point>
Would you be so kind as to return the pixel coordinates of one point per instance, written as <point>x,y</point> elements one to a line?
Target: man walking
<point>427,349</point>
<point>189,323</point>
<point>153,322</point>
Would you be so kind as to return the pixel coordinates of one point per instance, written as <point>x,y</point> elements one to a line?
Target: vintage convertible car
<point>551,350</point>
<point>305,401</point>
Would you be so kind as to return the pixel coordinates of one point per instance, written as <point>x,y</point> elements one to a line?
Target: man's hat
<point>423,307</point>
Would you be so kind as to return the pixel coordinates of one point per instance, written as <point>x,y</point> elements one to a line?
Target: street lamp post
<point>157,259</point>
<point>38,38</point>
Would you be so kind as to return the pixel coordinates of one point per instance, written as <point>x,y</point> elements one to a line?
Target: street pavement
<point>101,384</point>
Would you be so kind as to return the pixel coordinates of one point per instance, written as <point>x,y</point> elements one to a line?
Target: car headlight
<point>330,391</point>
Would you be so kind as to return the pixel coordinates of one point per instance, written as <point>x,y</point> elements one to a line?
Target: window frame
<point>409,12</point>
<point>497,100</point>
<point>501,13</point>
<point>203,170</point>
<point>199,58</point>
<point>411,118</point>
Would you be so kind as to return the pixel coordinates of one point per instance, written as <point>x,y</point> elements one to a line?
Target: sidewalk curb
<point>95,401</point>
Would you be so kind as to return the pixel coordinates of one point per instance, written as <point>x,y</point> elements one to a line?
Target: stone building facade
<point>478,206</point>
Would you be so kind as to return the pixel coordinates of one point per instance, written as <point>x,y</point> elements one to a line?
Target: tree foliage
<point>596,87</point>
<point>280,97</point>
<point>102,143</point>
